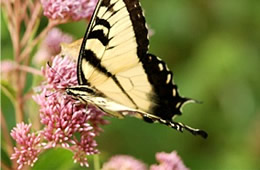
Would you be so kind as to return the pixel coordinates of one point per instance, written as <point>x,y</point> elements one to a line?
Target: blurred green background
<point>213,48</point>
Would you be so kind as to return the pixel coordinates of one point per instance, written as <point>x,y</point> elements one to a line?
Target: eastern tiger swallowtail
<point>117,74</point>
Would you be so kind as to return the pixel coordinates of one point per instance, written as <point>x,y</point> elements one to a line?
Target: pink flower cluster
<point>54,38</point>
<point>122,162</point>
<point>68,9</point>
<point>168,161</point>
<point>64,117</point>
<point>67,123</point>
<point>28,145</point>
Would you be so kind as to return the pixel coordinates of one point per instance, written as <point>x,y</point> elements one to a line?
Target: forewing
<point>114,60</point>
<point>114,42</point>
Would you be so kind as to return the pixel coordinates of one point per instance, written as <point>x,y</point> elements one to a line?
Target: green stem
<point>96,162</point>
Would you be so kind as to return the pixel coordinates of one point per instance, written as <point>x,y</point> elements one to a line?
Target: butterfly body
<point>117,74</point>
<point>98,99</point>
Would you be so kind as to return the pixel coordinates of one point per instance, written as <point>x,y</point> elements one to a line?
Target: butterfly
<point>117,74</point>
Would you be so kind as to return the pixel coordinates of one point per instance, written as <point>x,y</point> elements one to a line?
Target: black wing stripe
<point>92,59</point>
<point>99,34</point>
<point>105,3</point>
<point>81,77</point>
<point>103,23</point>
<point>113,14</point>
<point>80,89</point>
<point>139,26</point>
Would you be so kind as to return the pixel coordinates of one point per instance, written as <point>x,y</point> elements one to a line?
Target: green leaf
<point>8,90</point>
<point>58,159</point>
<point>8,110</point>
<point>5,158</point>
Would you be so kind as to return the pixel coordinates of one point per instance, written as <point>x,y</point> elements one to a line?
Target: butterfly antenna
<point>60,76</point>
<point>48,63</point>
<point>48,95</point>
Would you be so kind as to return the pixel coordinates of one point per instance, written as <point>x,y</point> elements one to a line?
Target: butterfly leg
<point>78,103</point>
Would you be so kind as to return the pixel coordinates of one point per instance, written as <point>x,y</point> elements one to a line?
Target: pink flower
<point>168,161</point>
<point>50,46</point>
<point>67,123</point>
<point>63,117</point>
<point>29,145</point>
<point>124,162</point>
<point>54,37</point>
<point>61,74</point>
<point>68,9</point>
